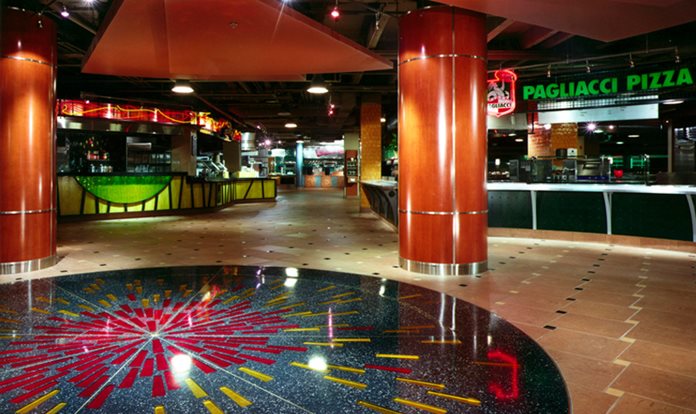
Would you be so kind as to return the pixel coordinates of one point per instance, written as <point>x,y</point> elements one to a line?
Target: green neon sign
<point>610,85</point>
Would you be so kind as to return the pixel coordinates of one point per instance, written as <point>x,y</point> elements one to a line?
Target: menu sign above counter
<point>610,85</point>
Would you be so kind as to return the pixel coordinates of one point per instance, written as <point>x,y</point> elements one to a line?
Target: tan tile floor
<point>619,321</point>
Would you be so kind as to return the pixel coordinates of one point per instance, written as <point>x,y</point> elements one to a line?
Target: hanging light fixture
<point>335,12</point>
<point>64,11</point>
<point>677,59</point>
<point>182,87</point>
<point>317,86</point>
<point>631,63</point>
<point>548,71</point>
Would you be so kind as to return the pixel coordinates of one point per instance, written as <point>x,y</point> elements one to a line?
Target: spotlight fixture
<point>335,12</point>
<point>182,87</point>
<point>631,63</point>
<point>64,11</point>
<point>317,86</point>
<point>591,126</point>
<point>677,59</point>
<point>383,120</point>
<point>548,71</point>
<point>587,66</point>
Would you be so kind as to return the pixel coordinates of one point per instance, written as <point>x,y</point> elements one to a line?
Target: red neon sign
<point>125,112</point>
<point>501,93</point>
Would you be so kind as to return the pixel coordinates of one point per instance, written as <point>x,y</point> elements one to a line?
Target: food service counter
<point>383,199</point>
<point>134,194</point>
<point>335,180</point>
<point>657,211</point>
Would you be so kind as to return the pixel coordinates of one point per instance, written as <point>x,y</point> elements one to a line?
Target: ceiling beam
<point>555,40</point>
<point>535,35</point>
<point>498,55</point>
<point>499,29</point>
<point>377,30</point>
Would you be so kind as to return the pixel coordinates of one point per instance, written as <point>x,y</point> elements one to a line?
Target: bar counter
<point>144,194</point>
<point>646,211</point>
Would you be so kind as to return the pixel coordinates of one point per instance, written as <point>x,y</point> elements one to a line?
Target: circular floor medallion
<point>224,339</point>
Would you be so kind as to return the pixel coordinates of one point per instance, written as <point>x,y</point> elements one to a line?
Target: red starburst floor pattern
<point>222,338</point>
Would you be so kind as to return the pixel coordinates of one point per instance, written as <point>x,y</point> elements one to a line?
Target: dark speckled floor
<point>224,339</point>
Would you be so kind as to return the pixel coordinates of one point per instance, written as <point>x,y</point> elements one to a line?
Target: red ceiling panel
<point>221,40</point>
<point>605,20</point>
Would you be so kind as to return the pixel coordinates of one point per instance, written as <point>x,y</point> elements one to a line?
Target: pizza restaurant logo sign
<point>501,93</point>
<point>610,85</point>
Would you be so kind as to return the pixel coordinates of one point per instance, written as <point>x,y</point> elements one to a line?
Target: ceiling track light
<point>181,86</point>
<point>335,12</point>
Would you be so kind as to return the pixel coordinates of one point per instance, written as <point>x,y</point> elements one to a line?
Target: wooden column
<point>443,208</point>
<point>27,142</point>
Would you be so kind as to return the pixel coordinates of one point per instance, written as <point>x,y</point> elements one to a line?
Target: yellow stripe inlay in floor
<point>256,374</point>
<point>195,388</point>
<point>421,383</point>
<point>466,400</point>
<point>377,408</point>
<point>421,406</point>
<point>37,402</point>
<point>238,399</point>
<point>353,384</point>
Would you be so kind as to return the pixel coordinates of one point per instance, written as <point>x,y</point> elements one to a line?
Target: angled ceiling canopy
<point>221,40</point>
<point>605,20</point>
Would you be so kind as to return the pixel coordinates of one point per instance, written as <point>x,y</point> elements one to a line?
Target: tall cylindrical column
<point>27,142</point>
<point>443,207</point>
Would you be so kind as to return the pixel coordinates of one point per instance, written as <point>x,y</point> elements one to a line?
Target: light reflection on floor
<point>222,338</point>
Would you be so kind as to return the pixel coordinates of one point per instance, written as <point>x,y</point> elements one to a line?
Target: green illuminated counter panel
<point>144,194</point>
<point>659,211</point>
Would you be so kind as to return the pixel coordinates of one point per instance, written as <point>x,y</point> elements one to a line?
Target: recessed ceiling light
<point>284,113</point>
<point>291,125</point>
<point>619,142</point>
<point>182,87</point>
<point>673,102</point>
<point>519,140</point>
<point>317,89</point>
<point>634,136</point>
<point>512,134</point>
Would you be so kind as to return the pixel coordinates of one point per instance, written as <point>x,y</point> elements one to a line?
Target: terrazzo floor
<point>618,321</point>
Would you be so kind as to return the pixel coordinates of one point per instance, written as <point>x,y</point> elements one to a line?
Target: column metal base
<point>9,268</point>
<point>443,269</point>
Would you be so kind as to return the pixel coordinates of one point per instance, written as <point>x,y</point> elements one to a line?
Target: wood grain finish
<point>27,137</point>
<point>24,237</point>
<point>442,148</point>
